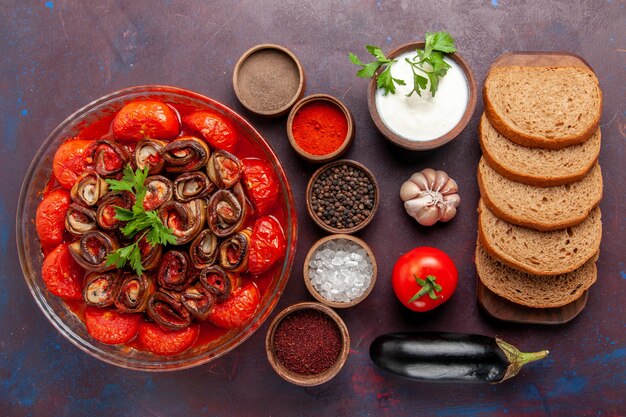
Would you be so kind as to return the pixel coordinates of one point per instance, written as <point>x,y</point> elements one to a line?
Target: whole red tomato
<point>146,119</point>
<point>61,274</point>
<point>237,309</point>
<point>261,184</point>
<point>111,327</point>
<point>267,245</point>
<point>50,217</point>
<point>69,161</point>
<point>215,129</point>
<point>424,278</point>
<point>167,342</point>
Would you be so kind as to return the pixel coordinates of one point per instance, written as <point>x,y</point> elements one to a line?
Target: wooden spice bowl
<point>307,278</point>
<point>307,380</point>
<point>320,222</point>
<point>417,145</point>
<point>253,85</point>
<point>347,141</point>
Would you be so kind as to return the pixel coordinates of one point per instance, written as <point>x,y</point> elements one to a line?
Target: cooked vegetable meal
<point>161,226</point>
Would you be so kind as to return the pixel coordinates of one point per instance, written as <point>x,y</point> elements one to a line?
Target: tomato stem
<point>429,286</point>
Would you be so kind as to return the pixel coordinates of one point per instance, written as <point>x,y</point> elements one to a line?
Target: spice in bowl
<point>307,344</point>
<point>341,269</point>
<point>320,128</point>
<point>342,197</point>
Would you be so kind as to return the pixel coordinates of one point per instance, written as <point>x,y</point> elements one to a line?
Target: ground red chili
<point>307,342</point>
<point>319,127</point>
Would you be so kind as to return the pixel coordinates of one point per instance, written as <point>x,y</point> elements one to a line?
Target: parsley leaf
<point>427,67</point>
<point>138,220</point>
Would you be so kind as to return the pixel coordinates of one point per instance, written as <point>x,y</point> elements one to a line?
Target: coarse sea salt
<point>340,270</point>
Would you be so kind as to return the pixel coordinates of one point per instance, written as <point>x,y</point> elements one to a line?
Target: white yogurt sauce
<point>423,118</point>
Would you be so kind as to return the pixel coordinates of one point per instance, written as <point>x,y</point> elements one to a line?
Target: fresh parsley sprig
<point>436,45</point>
<point>138,220</point>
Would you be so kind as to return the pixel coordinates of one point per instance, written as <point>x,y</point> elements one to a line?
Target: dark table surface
<point>58,55</point>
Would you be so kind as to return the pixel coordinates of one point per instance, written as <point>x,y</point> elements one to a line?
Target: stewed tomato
<point>69,161</point>
<point>267,245</point>
<point>62,275</point>
<point>111,327</point>
<point>218,131</point>
<point>167,342</point>
<point>50,217</point>
<point>146,119</point>
<point>237,309</point>
<point>424,278</point>
<point>261,184</point>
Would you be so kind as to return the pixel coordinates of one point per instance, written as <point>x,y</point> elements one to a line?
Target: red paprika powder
<point>319,127</point>
<point>307,342</point>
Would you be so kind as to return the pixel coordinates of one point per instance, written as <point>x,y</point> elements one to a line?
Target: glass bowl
<point>31,257</point>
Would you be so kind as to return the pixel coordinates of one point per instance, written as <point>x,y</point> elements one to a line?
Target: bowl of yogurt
<point>423,122</point>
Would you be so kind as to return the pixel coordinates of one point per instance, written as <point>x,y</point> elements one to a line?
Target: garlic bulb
<point>430,196</point>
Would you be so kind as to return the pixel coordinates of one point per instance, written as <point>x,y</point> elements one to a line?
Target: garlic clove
<point>430,175</point>
<point>450,188</point>
<point>441,178</point>
<point>428,216</point>
<point>409,190</point>
<point>420,180</point>
<point>452,200</point>
<point>448,214</point>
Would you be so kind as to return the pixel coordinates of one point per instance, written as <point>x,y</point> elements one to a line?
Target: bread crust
<point>528,178</point>
<point>542,227</point>
<point>587,275</point>
<point>523,267</point>
<point>535,141</point>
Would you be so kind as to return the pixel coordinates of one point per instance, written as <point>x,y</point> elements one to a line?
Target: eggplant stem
<point>516,358</point>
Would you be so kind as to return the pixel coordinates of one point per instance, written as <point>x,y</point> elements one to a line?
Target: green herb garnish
<point>138,221</point>
<point>436,45</point>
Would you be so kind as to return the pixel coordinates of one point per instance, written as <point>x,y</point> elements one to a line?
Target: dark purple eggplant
<point>449,357</point>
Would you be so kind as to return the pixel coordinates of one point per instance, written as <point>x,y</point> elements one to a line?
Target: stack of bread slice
<point>539,226</point>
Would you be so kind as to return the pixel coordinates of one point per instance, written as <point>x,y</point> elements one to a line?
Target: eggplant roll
<point>150,255</point>
<point>89,189</point>
<point>186,153</point>
<point>234,251</point>
<point>159,190</point>
<point>80,220</point>
<point>101,288</point>
<point>224,169</point>
<point>185,219</point>
<point>175,270</point>
<point>166,309</point>
<point>203,250</point>
<point>217,281</point>
<point>198,301</point>
<point>106,209</point>
<point>149,153</point>
<point>109,157</point>
<point>192,185</point>
<point>134,294</point>
<point>227,211</point>
<point>92,249</point>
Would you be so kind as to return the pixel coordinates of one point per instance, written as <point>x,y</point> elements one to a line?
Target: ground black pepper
<point>342,196</point>
<point>307,342</point>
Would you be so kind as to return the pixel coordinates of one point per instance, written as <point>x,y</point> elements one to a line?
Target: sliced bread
<point>540,208</point>
<point>541,253</point>
<point>543,107</point>
<point>533,290</point>
<point>536,166</point>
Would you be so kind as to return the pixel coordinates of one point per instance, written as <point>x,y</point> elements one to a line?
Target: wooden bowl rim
<point>301,84</point>
<point>317,295</point>
<point>307,380</point>
<point>347,141</point>
<point>359,226</point>
<point>433,143</point>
